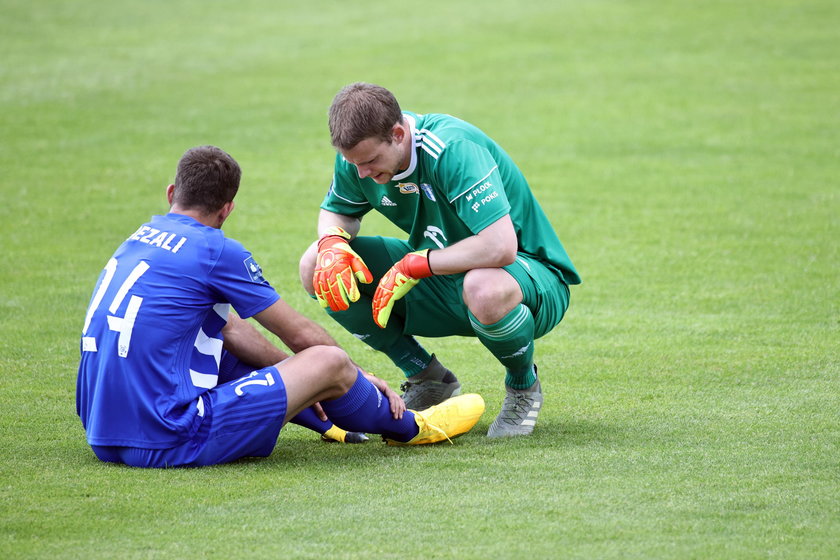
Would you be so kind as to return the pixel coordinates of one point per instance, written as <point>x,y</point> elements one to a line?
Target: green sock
<point>404,351</point>
<point>408,355</point>
<point>511,341</point>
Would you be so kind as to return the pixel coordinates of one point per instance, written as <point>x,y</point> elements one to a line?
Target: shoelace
<point>422,393</point>
<point>521,406</point>
<point>432,426</point>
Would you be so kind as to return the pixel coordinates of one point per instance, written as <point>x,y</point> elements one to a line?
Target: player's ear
<point>170,194</point>
<point>398,133</point>
<point>221,215</point>
<point>226,210</point>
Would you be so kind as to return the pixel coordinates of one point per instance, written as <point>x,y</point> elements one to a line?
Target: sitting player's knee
<point>333,365</point>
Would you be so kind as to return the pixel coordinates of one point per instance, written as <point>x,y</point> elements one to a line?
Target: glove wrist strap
<point>333,232</point>
<point>417,264</point>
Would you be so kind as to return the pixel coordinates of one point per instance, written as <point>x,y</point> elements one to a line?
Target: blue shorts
<point>242,418</point>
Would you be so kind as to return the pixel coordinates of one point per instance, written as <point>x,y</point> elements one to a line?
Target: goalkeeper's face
<point>377,159</point>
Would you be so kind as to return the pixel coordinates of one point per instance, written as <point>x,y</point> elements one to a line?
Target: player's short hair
<point>207,179</point>
<point>360,111</point>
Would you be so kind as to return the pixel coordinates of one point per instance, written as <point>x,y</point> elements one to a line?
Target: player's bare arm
<point>245,342</point>
<point>493,247</point>
<point>295,330</point>
<point>327,219</point>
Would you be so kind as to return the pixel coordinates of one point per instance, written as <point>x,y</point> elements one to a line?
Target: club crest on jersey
<point>254,270</point>
<point>407,188</point>
<point>427,190</point>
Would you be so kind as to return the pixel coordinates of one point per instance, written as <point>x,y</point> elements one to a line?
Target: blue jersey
<point>152,341</point>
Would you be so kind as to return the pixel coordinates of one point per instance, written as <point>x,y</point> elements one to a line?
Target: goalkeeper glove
<point>336,271</point>
<point>400,278</point>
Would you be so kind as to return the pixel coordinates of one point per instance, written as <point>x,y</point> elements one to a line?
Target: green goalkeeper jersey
<point>459,182</point>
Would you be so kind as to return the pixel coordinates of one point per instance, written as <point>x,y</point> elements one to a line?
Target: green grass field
<point>688,154</point>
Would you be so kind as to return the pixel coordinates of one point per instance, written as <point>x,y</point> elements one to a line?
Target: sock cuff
<point>503,328</point>
<point>521,380</point>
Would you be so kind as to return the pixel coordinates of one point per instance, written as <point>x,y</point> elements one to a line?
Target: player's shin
<point>511,341</point>
<point>365,409</point>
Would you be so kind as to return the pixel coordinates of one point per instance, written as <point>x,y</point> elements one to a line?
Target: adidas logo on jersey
<point>387,201</point>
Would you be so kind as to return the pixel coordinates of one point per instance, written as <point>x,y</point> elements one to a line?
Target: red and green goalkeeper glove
<point>337,269</point>
<point>400,278</point>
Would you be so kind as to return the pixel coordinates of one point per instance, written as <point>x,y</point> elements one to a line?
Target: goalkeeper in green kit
<point>481,258</point>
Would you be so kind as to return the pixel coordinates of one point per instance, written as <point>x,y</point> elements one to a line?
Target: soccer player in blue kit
<point>169,376</point>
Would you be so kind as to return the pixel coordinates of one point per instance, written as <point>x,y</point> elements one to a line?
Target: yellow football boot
<point>444,421</point>
<point>337,434</point>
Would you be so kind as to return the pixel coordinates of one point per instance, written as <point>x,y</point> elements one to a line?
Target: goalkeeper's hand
<point>400,278</point>
<point>337,269</point>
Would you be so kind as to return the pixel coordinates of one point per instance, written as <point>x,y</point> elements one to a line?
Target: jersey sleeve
<point>470,176</point>
<point>345,196</point>
<point>239,280</point>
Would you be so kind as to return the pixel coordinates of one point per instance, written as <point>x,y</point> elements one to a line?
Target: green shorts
<point>435,306</point>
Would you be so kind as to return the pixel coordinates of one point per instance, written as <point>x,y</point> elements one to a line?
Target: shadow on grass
<point>301,450</point>
<point>563,433</point>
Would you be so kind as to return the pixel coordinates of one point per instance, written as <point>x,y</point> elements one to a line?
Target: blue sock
<point>365,409</point>
<point>308,419</point>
